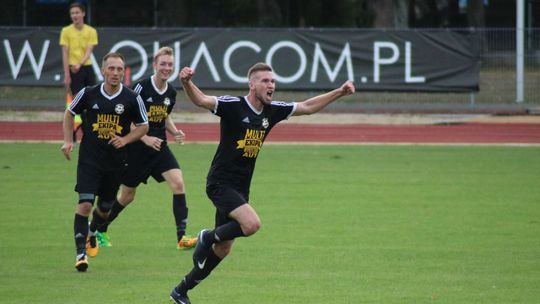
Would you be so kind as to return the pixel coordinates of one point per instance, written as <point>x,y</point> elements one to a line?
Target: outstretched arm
<point>317,103</point>
<point>193,92</point>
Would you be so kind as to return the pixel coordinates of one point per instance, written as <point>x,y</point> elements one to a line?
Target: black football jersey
<point>243,131</point>
<point>105,115</point>
<point>158,104</point>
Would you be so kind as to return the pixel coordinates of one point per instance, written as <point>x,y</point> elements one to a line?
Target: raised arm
<point>193,92</point>
<point>317,103</point>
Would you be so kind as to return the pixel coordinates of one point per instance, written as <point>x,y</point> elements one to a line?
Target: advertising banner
<point>302,59</point>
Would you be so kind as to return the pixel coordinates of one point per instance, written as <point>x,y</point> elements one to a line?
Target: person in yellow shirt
<point>77,40</point>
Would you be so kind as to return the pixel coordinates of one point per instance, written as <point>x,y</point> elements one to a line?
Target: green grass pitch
<point>341,224</point>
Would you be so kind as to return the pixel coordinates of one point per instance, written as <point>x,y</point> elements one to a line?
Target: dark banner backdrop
<point>302,59</point>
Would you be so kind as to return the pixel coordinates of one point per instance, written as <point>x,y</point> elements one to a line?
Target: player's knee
<point>84,208</point>
<point>126,199</point>
<point>251,227</point>
<point>104,206</point>
<point>126,196</point>
<point>177,186</point>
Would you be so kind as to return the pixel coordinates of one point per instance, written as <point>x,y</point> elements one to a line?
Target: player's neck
<point>111,89</point>
<point>159,82</point>
<point>255,103</point>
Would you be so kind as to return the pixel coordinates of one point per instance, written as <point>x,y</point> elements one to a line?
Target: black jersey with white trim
<point>105,115</point>
<point>158,104</point>
<point>243,131</point>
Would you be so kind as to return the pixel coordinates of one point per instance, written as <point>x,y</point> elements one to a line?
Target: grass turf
<point>341,224</point>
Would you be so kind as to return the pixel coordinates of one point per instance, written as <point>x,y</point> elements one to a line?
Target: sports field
<point>341,224</point>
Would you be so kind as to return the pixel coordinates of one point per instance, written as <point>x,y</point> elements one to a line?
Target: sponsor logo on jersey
<point>107,124</point>
<point>252,143</point>
<point>157,113</point>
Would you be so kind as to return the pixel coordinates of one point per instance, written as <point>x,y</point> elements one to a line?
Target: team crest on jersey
<point>119,109</point>
<point>265,123</point>
<point>167,101</point>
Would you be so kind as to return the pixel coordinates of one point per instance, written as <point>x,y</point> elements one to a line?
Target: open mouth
<point>269,93</point>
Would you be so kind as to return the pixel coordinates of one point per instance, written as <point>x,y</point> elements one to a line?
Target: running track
<point>466,133</point>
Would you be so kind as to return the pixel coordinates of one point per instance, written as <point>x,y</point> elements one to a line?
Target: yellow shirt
<point>77,42</point>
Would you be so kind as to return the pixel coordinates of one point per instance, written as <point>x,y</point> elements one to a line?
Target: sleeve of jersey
<point>78,103</point>
<point>94,38</point>
<point>140,116</point>
<point>225,105</point>
<point>173,102</point>
<point>63,39</point>
<point>138,88</point>
<point>283,110</point>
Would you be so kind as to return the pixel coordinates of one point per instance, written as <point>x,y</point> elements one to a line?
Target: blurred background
<point>274,13</point>
<point>495,20</point>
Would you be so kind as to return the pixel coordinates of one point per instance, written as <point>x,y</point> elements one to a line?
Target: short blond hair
<point>258,67</point>
<point>163,51</point>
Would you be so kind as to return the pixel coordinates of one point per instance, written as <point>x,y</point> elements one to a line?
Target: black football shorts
<point>144,162</point>
<point>225,198</point>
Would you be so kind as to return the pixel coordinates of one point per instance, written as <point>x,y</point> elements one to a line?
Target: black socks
<point>196,275</point>
<point>225,232</point>
<point>80,227</point>
<point>97,222</point>
<point>180,212</point>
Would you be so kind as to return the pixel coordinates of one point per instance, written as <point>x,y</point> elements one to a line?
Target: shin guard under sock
<point>80,227</point>
<point>180,212</point>
<point>196,275</point>
<point>225,232</point>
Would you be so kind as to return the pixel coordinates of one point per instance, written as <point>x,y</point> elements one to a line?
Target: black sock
<point>180,212</point>
<point>80,227</point>
<point>225,232</point>
<point>115,211</point>
<point>97,221</point>
<point>196,275</point>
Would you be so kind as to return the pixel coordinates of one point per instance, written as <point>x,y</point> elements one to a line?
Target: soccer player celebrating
<point>245,123</point>
<point>110,111</point>
<point>151,155</point>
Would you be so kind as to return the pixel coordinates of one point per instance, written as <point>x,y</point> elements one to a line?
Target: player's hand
<point>117,141</point>
<point>67,148</point>
<point>152,142</point>
<point>75,68</point>
<point>179,137</point>
<point>347,88</point>
<point>186,74</point>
